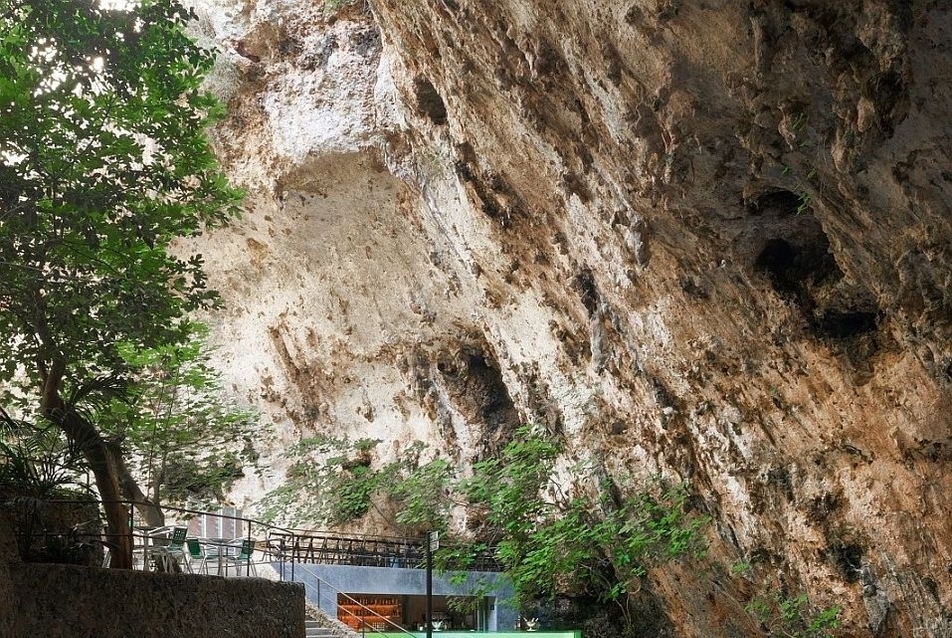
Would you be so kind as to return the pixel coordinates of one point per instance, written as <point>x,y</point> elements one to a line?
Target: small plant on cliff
<point>331,480</point>
<point>332,6</point>
<point>784,617</point>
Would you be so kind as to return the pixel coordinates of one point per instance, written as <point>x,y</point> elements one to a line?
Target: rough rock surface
<point>703,239</point>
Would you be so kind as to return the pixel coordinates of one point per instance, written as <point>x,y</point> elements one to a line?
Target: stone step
<point>314,629</point>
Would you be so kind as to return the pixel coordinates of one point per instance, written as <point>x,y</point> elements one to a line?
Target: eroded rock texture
<point>704,239</point>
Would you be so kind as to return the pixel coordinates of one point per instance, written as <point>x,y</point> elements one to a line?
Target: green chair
<point>172,556</point>
<point>197,553</point>
<point>244,556</point>
<point>176,546</point>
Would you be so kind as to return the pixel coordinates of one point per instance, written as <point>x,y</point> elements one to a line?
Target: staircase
<point>314,629</point>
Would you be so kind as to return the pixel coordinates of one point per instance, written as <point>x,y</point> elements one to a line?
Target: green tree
<point>185,440</point>
<point>594,541</point>
<point>104,161</point>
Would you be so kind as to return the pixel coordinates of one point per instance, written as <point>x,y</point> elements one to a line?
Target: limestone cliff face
<point>706,239</point>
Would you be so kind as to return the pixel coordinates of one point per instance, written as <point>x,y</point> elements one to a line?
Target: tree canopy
<point>104,161</point>
<point>189,441</point>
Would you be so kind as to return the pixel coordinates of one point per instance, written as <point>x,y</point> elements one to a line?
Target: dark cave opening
<point>777,259</point>
<point>584,284</point>
<point>843,325</point>
<point>797,259</point>
<point>848,559</point>
<point>429,102</point>
<point>782,203</point>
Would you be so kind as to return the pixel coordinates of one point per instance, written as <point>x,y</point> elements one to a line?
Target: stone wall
<point>67,601</point>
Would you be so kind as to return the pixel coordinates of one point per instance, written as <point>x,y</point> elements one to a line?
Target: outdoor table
<point>154,547</point>
<point>142,544</point>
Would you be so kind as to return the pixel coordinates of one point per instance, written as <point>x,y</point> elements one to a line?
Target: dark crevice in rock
<point>474,385</point>
<point>779,477</point>
<point>822,508</point>
<point>693,287</point>
<point>777,260</point>
<point>497,198</point>
<point>797,259</point>
<point>585,286</point>
<point>844,325</point>
<point>847,558</point>
<point>781,202</point>
<point>428,100</point>
<point>793,268</point>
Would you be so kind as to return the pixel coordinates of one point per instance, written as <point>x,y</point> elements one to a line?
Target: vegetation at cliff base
<point>578,535</point>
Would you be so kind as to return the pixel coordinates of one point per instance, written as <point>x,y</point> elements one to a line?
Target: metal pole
<point>281,556</point>
<point>429,588</point>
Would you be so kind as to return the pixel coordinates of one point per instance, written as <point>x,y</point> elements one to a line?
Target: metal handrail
<point>108,539</point>
<point>279,553</point>
<point>362,550</point>
<point>364,627</point>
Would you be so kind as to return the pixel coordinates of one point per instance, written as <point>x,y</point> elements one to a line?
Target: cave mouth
<point>800,273</point>
<point>796,252</point>
<point>847,558</point>
<point>796,257</point>
<point>794,265</point>
<point>428,100</point>
<point>845,325</point>
<point>782,203</point>
<point>776,260</point>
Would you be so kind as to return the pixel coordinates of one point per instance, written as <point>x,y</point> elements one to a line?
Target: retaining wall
<point>66,601</point>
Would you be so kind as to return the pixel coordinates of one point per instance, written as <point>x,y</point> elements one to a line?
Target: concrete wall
<point>66,601</point>
<point>323,582</point>
<point>8,554</point>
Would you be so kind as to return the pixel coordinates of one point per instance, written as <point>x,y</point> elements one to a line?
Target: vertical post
<point>132,539</point>
<point>251,552</point>
<point>428,621</point>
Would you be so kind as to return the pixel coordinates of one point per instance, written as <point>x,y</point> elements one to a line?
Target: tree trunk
<point>96,451</point>
<point>151,513</point>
